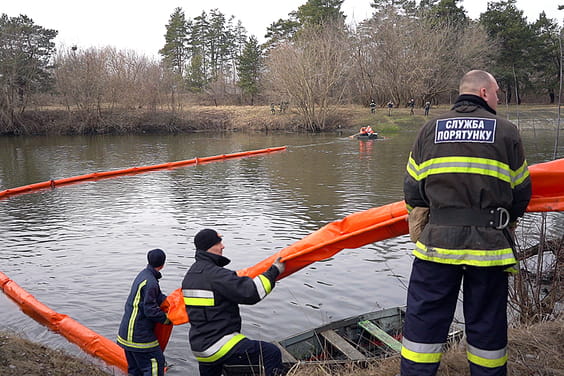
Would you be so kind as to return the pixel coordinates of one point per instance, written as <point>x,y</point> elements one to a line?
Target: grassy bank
<point>190,118</point>
<point>21,357</point>
<point>533,350</point>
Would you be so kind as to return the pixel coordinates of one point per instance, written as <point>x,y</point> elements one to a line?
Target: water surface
<point>77,248</point>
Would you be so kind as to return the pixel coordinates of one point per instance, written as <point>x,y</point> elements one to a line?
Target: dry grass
<point>189,117</point>
<point>534,350</point>
<point>19,357</point>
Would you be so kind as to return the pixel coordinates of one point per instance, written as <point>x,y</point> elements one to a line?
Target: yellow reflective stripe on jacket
<point>219,349</point>
<point>521,174</point>
<point>135,311</point>
<point>474,257</point>
<point>487,358</point>
<point>467,165</point>
<point>263,285</point>
<point>202,298</point>
<point>421,352</point>
<point>138,345</point>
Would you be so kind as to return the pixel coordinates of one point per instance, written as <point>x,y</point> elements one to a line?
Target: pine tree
<point>175,49</point>
<point>26,51</point>
<point>249,66</point>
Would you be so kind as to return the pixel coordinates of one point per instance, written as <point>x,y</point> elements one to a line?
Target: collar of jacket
<point>155,272</point>
<point>216,259</point>
<point>472,100</point>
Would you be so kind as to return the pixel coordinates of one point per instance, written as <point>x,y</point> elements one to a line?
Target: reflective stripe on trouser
<point>219,349</point>
<point>431,301</point>
<point>145,363</point>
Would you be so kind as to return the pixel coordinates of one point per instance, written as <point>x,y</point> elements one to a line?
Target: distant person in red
<point>142,311</point>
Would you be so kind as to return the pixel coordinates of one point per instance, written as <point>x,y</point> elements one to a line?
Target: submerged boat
<point>366,136</point>
<point>358,339</point>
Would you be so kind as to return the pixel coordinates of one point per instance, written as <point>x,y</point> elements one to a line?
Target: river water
<point>77,248</point>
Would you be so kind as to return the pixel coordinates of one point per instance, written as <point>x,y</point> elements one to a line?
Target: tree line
<point>313,59</point>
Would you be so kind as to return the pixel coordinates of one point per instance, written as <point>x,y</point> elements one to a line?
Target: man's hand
<point>281,266</point>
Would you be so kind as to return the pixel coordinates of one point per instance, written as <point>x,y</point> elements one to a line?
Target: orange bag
<point>175,308</point>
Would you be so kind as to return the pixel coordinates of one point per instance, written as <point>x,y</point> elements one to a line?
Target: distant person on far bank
<point>427,107</point>
<point>142,311</point>
<point>390,106</point>
<point>466,185</point>
<point>411,105</point>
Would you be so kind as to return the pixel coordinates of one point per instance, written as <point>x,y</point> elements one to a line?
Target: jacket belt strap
<point>497,218</point>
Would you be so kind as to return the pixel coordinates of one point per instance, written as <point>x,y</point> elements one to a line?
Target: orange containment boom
<point>132,170</point>
<point>87,339</point>
<point>353,231</point>
<point>390,220</point>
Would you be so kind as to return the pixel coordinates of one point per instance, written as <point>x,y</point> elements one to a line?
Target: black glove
<point>281,266</point>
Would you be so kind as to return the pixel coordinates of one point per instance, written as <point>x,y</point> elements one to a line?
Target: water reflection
<point>77,247</point>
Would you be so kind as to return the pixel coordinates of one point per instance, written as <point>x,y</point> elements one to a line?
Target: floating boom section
<point>353,231</point>
<point>548,186</point>
<point>390,220</point>
<point>131,171</point>
<point>87,339</point>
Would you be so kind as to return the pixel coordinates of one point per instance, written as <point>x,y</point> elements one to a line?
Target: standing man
<point>390,106</point>
<point>142,311</point>
<point>411,105</point>
<point>212,295</point>
<point>468,168</point>
<point>427,108</point>
<point>372,106</point>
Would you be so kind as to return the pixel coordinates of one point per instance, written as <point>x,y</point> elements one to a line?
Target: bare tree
<point>400,57</point>
<point>312,72</point>
<point>80,79</point>
<point>96,80</point>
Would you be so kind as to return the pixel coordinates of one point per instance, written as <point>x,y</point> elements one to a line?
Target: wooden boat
<point>366,136</point>
<point>358,339</point>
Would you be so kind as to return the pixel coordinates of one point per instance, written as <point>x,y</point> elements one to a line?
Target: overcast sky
<point>140,24</point>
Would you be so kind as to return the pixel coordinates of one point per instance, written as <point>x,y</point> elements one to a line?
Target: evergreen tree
<point>174,51</point>
<point>318,12</point>
<point>26,51</point>
<point>313,12</point>
<point>405,7</point>
<point>508,30</point>
<point>249,66</point>
<point>281,31</point>
<point>444,12</point>
<point>546,56</point>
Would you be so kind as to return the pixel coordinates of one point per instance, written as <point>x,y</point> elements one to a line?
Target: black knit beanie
<point>156,257</point>
<point>206,238</point>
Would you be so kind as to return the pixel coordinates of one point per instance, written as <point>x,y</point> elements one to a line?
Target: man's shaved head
<point>473,81</point>
<point>482,84</point>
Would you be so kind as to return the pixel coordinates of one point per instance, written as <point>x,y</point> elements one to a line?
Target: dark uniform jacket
<point>467,159</point>
<point>142,311</point>
<point>212,295</point>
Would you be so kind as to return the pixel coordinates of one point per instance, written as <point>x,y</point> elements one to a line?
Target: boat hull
<point>372,136</point>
